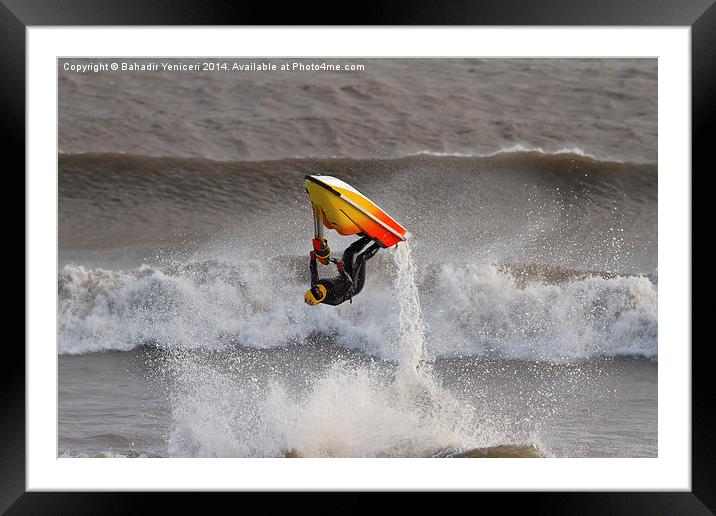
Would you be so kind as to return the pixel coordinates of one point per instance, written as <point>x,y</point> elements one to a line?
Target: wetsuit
<point>340,288</point>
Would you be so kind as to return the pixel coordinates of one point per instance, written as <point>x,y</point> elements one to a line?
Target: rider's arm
<point>314,270</point>
<point>342,270</point>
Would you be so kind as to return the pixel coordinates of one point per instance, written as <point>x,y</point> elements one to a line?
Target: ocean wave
<point>515,149</point>
<point>519,148</point>
<point>107,454</point>
<point>549,208</point>
<point>396,107</point>
<point>469,309</point>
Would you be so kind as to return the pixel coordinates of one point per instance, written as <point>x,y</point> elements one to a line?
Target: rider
<point>349,282</point>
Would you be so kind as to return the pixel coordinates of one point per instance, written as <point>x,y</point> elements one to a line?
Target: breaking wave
<point>349,410</point>
<point>575,203</point>
<point>468,309</point>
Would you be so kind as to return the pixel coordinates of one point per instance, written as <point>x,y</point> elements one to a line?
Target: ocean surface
<point>519,320</point>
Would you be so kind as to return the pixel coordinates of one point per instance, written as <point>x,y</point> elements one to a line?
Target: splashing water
<point>410,320</point>
<point>492,311</point>
<point>348,410</point>
<point>415,386</point>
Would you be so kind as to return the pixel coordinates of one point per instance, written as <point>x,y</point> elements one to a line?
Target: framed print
<point>340,258</point>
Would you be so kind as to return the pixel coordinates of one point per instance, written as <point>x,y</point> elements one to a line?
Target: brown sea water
<point>523,321</point>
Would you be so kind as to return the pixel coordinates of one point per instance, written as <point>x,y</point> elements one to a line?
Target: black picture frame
<point>17,15</point>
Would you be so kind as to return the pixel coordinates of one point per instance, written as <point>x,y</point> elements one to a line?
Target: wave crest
<point>469,309</point>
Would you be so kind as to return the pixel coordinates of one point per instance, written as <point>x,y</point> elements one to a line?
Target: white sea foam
<point>513,149</point>
<point>222,407</point>
<point>486,312</point>
<point>465,309</point>
<point>347,411</point>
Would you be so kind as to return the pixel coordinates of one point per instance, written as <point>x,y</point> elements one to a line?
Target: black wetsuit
<point>340,288</point>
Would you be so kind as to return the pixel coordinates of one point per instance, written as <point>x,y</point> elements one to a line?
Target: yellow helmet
<point>315,295</point>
